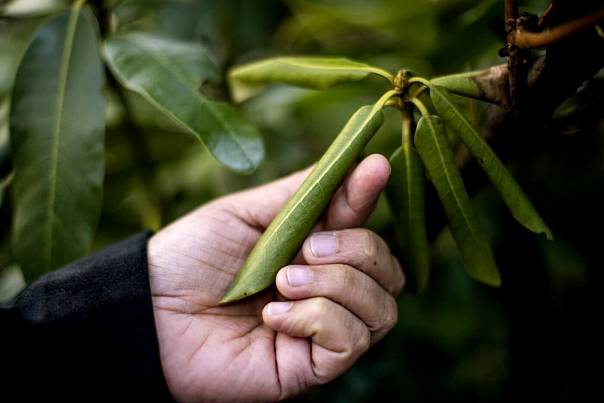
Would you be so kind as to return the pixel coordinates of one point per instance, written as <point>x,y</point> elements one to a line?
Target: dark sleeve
<point>85,332</point>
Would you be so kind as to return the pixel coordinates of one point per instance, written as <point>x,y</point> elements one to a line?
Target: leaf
<point>308,72</point>
<point>513,196</point>
<point>5,153</point>
<point>405,194</point>
<point>286,233</point>
<point>432,146</point>
<point>190,59</point>
<point>15,35</point>
<point>56,133</point>
<point>11,283</point>
<point>485,85</point>
<point>144,65</point>
<point>4,185</point>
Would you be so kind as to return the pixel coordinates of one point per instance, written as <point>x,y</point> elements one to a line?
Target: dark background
<point>535,337</point>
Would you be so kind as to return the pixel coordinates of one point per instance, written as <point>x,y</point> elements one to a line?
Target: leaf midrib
<point>534,215</point>
<point>455,196</point>
<point>165,64</point>
<point>298,63</point>
<point>354,68</point>
<point>56,132</point>
<point>326,171</point>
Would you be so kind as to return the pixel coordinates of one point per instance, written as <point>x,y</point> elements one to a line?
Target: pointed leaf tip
<point>308,72</point>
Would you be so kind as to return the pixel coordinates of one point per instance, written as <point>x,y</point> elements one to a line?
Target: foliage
<point>430,138</point>
<point>73,180</point>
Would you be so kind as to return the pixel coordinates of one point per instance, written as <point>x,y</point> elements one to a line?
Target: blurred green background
<point>459,341</point>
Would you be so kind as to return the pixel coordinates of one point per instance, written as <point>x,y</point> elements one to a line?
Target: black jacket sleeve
<point>85,332</point>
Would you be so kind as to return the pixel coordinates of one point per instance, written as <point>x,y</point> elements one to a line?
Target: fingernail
<point>298,275</point>
<point>323,244</point>
<point>277,308</point>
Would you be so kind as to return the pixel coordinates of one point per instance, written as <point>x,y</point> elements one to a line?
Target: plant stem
<point>406,127</point>
<point>534,40</point>
<point>517,72</point>
<point>384,98</point>
<point>420,106</point>
<point>420,80</point>
<point>511,9</point>
<point>544,20</point>
<point>383,73</point>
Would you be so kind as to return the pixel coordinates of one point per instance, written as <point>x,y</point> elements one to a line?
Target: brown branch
<point>511,10</point>
<point>516,74</point>
<point>546,17</point>
<point>534,40</point>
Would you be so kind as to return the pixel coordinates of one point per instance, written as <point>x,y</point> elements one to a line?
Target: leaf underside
<point>514,197</point>
<point>405,195</point>
<point>432,146</point>
<point>286,233</point>
<point>307,72</point>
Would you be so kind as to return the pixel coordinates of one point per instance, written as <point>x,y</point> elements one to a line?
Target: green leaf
<point>405,195</point>
<point>286,233</point>
<point>504,182</point>
<point>4,185</point>
<point>5,153</point>
<point>484,85</point>
<point>460,84</point>
<point>432,146</point>
<point>190,60</point>
<point>148,67</point>
<point>56,134</point>
<point>308,72</point>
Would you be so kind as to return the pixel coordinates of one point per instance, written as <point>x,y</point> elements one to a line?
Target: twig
<point>533,40</point>
<point>511,10</point>
<point>544,20</point>
<point>516,68</point>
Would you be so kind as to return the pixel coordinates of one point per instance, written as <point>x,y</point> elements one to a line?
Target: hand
<point>337,297</point>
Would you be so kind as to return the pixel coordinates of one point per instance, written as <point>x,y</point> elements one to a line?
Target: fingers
<point>338,336</point>
<point>343,300</point>
<point>355,200</point>
<point>360,248</point>
<point>352,289</point>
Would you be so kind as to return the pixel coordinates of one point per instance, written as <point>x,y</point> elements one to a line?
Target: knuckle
<point>363,341</point>
<point>369,244</point>
<point>344,278</point>
<point>359,342</point>
<point>320,306</point>
<point>390,317</point>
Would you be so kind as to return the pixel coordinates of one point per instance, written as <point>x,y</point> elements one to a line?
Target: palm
<point>209,345</point>
<point>228,353</point>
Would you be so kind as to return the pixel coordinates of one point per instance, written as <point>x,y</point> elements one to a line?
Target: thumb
<point>357,197</point>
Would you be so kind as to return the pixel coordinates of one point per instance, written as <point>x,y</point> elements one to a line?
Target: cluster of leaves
<point>424,144</point>
<point>58,152</point>
<point>57,197</point>
<point>458,340</point>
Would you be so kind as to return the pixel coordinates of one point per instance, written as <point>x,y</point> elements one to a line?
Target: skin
<point>273,345</point>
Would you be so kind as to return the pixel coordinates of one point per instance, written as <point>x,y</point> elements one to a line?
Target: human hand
<point>333,304</point>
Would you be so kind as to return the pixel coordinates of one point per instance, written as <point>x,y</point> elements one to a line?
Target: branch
<point>534,40</point>
<point>516,65</point>
<point>550,80</point>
